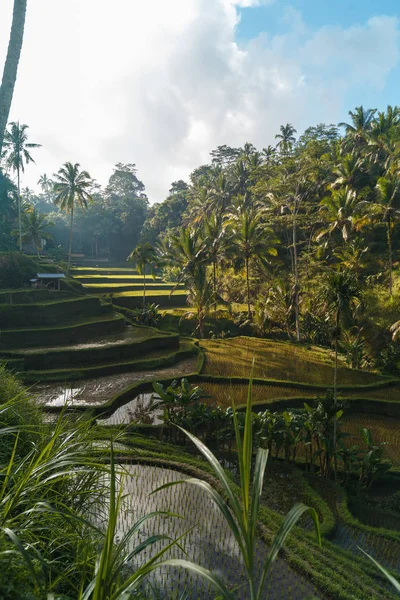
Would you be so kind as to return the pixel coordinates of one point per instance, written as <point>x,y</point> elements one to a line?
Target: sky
<point>160,83</point>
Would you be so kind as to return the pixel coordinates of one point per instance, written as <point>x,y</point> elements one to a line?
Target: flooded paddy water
<point>208,540</point>
<point>97,391</point>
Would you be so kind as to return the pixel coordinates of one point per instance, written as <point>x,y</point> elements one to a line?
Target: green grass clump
<point>16,270</point>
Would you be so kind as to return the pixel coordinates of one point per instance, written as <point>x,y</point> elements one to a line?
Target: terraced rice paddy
<point>223,393</point>
<point>382,549</point>
<point>97,391</point>
<point>278,360</point>
<point>385,430</point>
<point>208,541</point>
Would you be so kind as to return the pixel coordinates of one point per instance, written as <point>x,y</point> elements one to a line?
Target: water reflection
<point>138,410</point>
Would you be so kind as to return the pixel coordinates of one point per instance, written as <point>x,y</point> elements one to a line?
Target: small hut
<point>51,281</point>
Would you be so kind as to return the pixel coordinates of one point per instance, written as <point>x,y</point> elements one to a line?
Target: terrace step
<point>116,288</point>
<point>19,316</point>
<point>134,282</point>
<point>162,298</point>
<point>78,271</point>
<point>151,362</point>
<point>117,277</point>
<point>74,332</point>
<point>133,342</point>
<point>34,296</point>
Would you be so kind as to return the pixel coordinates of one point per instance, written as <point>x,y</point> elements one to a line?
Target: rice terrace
<point>200,352</point>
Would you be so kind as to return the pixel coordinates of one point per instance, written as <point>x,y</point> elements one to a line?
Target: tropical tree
<point>340,211</point>
<point>360,125</point>
<point>188,252</point>
<point>387,207</point>
<point>46,184</point>
<point>293,191</point>
<point>11,65</point>
<point>17,147</point>
<point>34,228</point>
<point>286,138</point>
<point>343,299</point>
<point>214,238</point>
<point>145,257</point>
<point>252,239</point>
<point>72,187</point>
<point>201,298</point>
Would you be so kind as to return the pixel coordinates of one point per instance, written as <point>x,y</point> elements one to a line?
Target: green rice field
<point>282,361</point>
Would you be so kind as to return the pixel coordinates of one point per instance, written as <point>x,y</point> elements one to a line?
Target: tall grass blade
<point>386,573</point>
<point>287,525</point>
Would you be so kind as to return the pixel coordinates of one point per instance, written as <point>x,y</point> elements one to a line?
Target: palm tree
<point>342,298</point>
<point>201,297</point>
<point>286,138</point>
<point>15,142</point>
<point>352,256</point>
<point>351,172</point>
<point>34,229</point>
<point>144,255</point>
<point>293,193</point>
<point>46,184</point>
<point>388,208</point>
<point>188,252</point>
<point>11,65</point>
<point>71,187</point>
<point>251,239</point>
<point>361,121</point>
<point>215,235</point>
<point>340,211</point>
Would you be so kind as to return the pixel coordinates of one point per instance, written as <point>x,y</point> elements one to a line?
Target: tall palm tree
<point>387,207</point>
<point>17,147</point>
<point>286,138</point>
<point>34,229</point>
<point>215,235</point>
<point>46,184</point>
<point>342,297</point>
<point>144,255</point>
<point>295,190</point>
<point>252,240</point>
<point>72,186</point>
<point>187,251</point>
<point>11,65</point>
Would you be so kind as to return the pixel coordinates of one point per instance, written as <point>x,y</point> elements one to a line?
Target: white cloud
<point>251,3</point>
<point>162,83</point>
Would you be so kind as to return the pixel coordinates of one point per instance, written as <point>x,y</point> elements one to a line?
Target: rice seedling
<point>281,361</point>
<point>224,393</point>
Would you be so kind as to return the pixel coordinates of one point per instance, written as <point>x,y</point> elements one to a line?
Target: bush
<point>22,413</point>
<point>16,270</point>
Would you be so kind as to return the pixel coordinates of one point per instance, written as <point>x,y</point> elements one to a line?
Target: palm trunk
<point>70,239</point>
<point>19,210</point>
<point>215,285</point>
<point>335,407</point>
<point>144,286</point>
<point>296,278</point>
<point>248,288</point>
<point>11,64</point>
<point>389,241</point>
